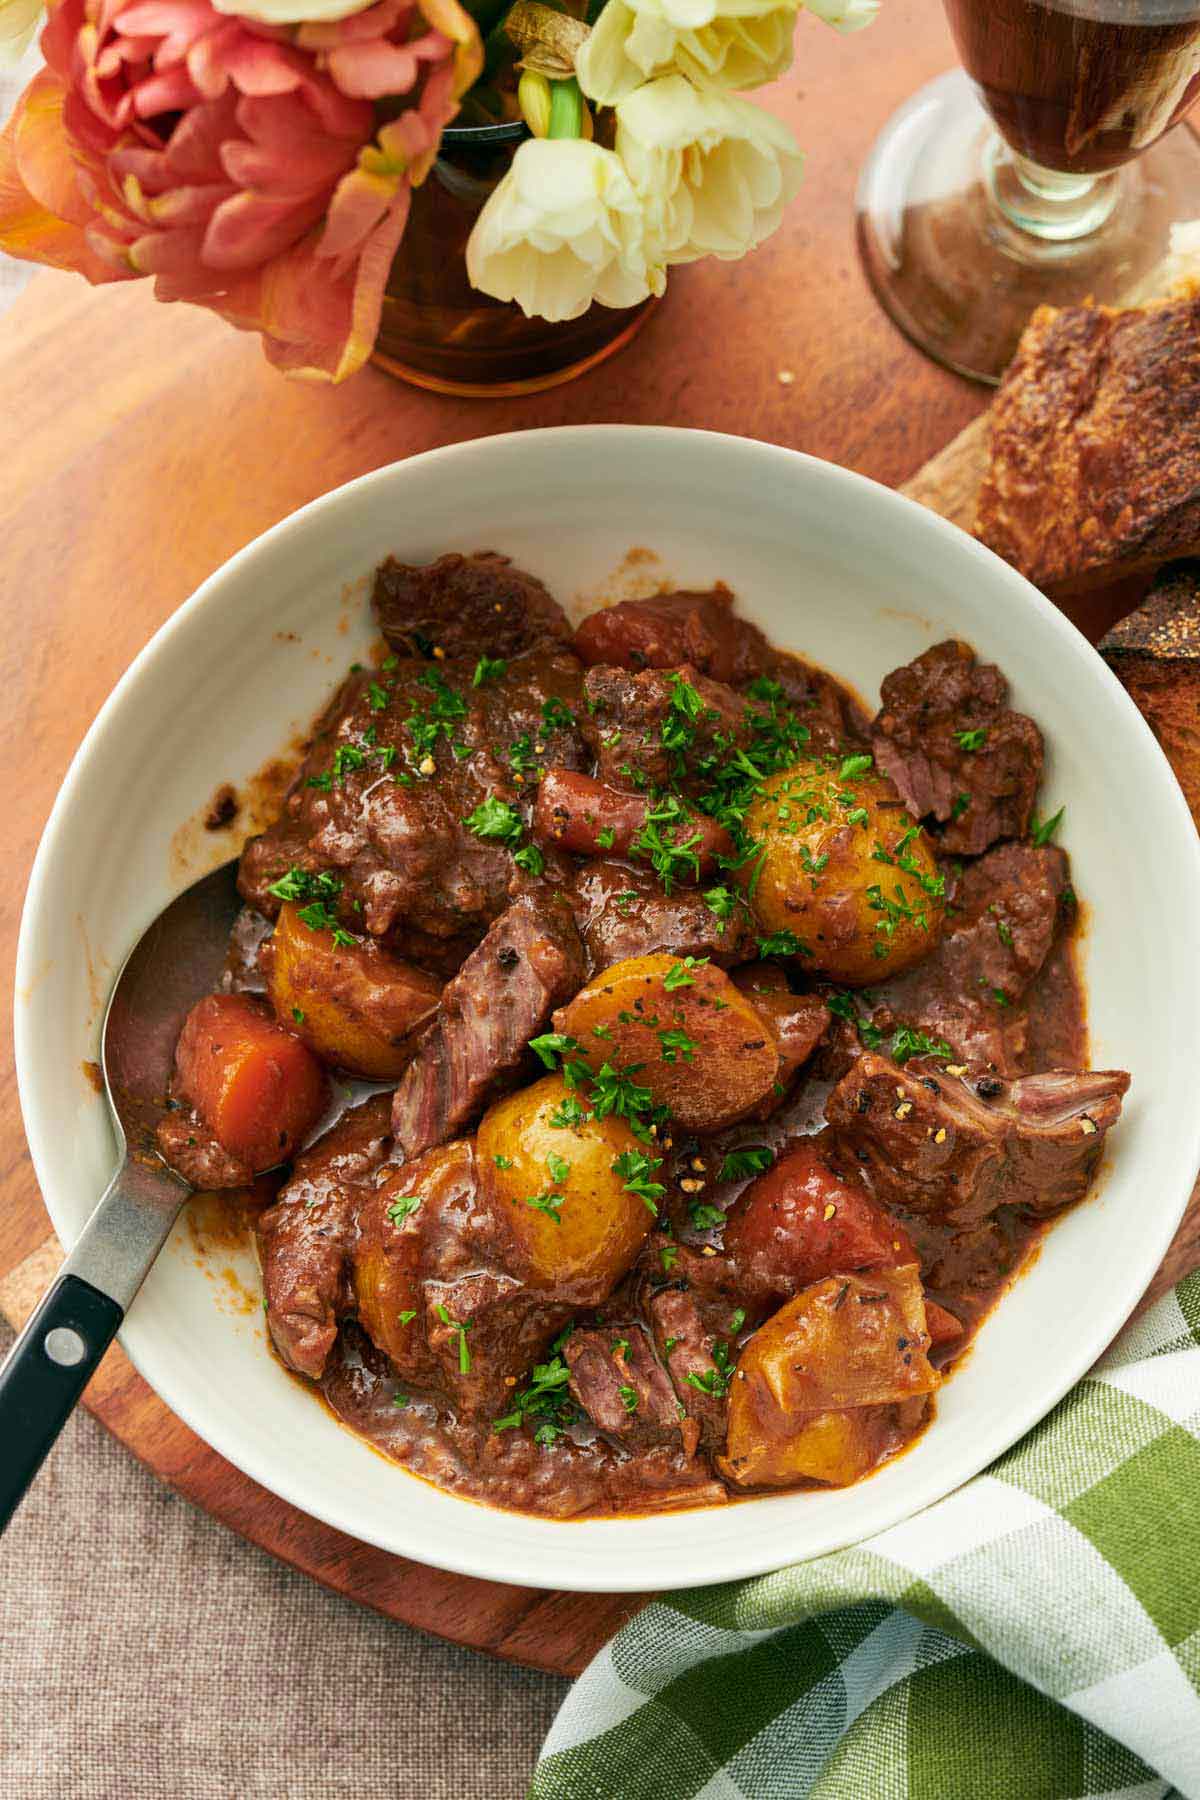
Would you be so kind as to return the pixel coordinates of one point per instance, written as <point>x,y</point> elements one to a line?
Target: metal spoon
<point>177,960</point>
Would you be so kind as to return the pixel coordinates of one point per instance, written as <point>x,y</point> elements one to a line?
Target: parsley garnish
<point>740,1163</point>
<point>301,884</point>
<point>629,1398</point>
<point>679,976</point>
<point>606,837</point>
<point>377,697</point>
<point>908,1043</point>
<point>530,858</point>
<point>495,821</point>
<point>972,740</point>
<point>400,1209</point>
<point>783,943</point>
<point>545,1402</point>
<point>705,1217</point>
<point>1041,831</point>
<point>634,1170</point>
<point>676,1043</point>
<point>488,668</point>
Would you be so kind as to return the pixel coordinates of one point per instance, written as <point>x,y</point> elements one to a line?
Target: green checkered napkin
<point>1035,1636</point>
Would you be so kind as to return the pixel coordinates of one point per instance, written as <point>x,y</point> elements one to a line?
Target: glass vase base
<point>507,389</point>
<point>945,258</point>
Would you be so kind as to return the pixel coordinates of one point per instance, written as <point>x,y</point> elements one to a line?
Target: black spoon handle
<point>45,1373</point>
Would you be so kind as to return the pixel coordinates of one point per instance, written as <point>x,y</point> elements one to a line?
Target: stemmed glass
<point>1069,191</point>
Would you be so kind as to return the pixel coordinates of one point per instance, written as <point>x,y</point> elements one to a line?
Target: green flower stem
<point>566,109</point>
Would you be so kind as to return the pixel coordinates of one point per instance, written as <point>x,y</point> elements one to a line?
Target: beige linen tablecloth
<point>145,1651</point>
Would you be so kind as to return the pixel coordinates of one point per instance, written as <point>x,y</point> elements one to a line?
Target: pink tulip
<point>240,165</point>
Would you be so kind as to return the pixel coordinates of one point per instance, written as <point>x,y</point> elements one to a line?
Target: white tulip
<point>715,43</point>
<point>563,228</point>
<point>713,173</point>
<point>844,15</point>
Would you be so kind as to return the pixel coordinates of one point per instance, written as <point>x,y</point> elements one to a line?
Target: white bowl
<point>853,576</point>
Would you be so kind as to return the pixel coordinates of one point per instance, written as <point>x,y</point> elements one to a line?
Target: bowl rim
<point>555,1569</point>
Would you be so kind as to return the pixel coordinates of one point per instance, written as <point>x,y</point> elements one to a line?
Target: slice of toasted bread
<point>1155,653</point>
<point>1094,464</point>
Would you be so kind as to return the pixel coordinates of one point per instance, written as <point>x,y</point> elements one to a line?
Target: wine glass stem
<point>1054,207</point>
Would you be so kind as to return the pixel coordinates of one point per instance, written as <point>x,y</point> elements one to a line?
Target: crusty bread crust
<point>1094,468</point>
<point>1155,653</point>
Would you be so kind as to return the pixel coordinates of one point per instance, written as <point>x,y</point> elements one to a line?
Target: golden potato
<point>814,1389</point>
<point>704,1052</point>
<point>575,1225</point>
<point>355,1005</point>
<point>387,1256</point>
<point>846,870</point>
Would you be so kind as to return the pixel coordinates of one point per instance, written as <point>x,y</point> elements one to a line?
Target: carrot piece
<point>257,1088</point>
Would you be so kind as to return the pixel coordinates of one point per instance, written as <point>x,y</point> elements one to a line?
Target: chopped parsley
<point>629,1398</point>
<point>737,1165</point>
<point>854,766</point>
<point>705,1217</point>
<point>301,884</point>
<point>569,1114</point>
<point>488,668</point>
<point>548,1203</point>
<point>407,1317</point>
<point>679,974</point>
<point>544,1403</point>
<point>961,803</point>
<point>669,1256</point>
<point>635,1171</point>
<point>1042,830</point>
<point>461,1326</point>
<point>557,1167</point>
<point>606,837</point>
<point>972,740</point>
<point>400,1209</point>
<point>502,1162</point>
<point>667,844</point>
<point>908,1043</point>
<point>676,1043</point>
<point>377,697</point>
<point>496,821</point>
<point>530,858</point>
<point>557,715</point>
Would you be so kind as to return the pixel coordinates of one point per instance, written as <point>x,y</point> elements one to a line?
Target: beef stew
<point>732,1047</point>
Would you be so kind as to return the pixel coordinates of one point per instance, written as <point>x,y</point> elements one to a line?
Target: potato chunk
<point>256,1087</point>
<point>697,1042</point>
<point>559,1187</point>
<point>846,870</point>
<point>355,1005</point>
<point>812,1395</point>
<point>387,1257</point>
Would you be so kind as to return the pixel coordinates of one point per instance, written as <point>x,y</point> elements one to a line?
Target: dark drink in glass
<point>1081,86</point>
<point>1048,173</point>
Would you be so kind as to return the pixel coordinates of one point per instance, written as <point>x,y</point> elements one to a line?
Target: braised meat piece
<point>698,1358</point>
<point>937,1145</point>
<point>1007,910</point>
<point>955,751</point>
<point>797,1022</point>
<point>185,1142</point>
<point>416,791</point>
<point>627,715</point>
<point>530,962</point>
<point>623,912</point>
<point>485,1329</point>
<point>305,1239</point>
<point>624,1389</point>
<point>465,606</point>
<point>669,629</point>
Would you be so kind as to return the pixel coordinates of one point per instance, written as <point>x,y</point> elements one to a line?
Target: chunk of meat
<point>185,1142</point>
<point>627,714</point>
<point>995,941</point>
<point>668,629</point>
<point>686,1345</point>
<point>937,1145</point>
<point>305,1239</point>
<point>529,962</point>
<point>484,1330</point>
<point>386,806</point>
<point>955,751</point>
<point>589,818</point>
<point>797,1022</point>
<point>465,606</point>
<point>258,1089</point>
<point>801,1221</point>
<point>622,912</point>
<point>624,1389</point>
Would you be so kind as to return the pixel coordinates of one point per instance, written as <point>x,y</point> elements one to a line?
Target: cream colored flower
<point>19,19</point>
<point>844,15</point>
<point>715,43</point>
<point>713,173</point>
<point>562,229</point>
<point>293,12</point>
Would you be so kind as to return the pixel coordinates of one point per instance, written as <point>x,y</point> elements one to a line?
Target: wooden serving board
<point>142,445</point>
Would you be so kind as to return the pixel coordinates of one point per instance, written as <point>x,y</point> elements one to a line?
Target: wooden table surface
<point>142,445</point>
